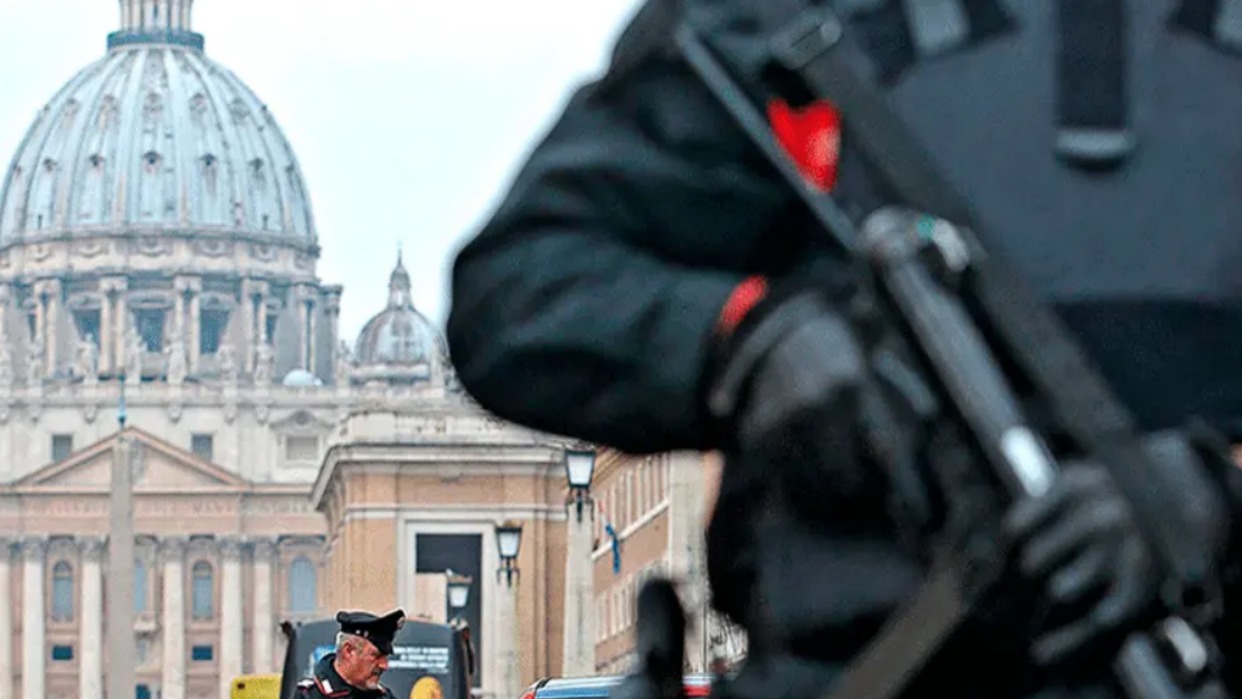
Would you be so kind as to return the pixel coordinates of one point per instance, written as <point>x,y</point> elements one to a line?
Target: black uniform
<point>380,631</point>
<point>588,304</point>
<point>324,683</point>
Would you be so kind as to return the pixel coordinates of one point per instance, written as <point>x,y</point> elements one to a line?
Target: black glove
<point>660,646</point>
<point>787,385</point>
<point>1079,547</point>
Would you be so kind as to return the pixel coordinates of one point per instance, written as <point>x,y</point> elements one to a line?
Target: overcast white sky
<point>409,117</point>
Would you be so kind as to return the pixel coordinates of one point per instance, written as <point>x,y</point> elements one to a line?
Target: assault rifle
<point>989,349</point>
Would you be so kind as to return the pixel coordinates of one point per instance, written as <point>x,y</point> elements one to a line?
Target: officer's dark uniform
<point>325,683</point>
<point>588,304</point>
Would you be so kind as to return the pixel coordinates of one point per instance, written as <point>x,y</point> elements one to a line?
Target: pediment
<point>302,421</point>
<point>157,465</point>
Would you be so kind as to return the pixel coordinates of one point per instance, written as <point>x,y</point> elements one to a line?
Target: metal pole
<point>120,622</point>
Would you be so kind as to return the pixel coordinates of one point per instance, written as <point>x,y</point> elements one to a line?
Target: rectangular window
<point>62,654</point>
<point>142,650</point>
<point>301,448</point>
<point>203,446</point>
<point>212,324</point>
<point>87,322</point>
<point>150,324</point>
<point>202,654</point>
<point>62,447</point>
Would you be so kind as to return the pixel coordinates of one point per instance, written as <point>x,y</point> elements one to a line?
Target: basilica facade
<point>158,288</point>
<point>160,312</point>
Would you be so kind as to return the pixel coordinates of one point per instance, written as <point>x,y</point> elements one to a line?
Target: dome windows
<point>198,106</point>
<point>153,106</point>
<point>203,142</point>
<point>239,110</point>
<point>108,112</point>
<point>151,160</point>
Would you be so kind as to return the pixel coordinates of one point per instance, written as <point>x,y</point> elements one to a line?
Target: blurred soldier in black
<point>647,249</point>
<point>353,670</point>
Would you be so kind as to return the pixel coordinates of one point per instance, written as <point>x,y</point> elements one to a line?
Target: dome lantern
<point>156,22</point>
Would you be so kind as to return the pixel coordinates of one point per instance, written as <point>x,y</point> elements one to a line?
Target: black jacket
<point>585,305</point>
<point>325,683</point>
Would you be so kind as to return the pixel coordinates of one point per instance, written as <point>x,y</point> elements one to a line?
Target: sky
<point>409,118</point>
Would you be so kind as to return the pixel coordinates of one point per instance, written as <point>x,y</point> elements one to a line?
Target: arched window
<point>203,591</point>
<point>140,586</point>
<point>62,592</point>
<point>302,585</point>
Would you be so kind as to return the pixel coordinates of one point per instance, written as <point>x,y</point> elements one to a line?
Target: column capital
<point>172,548</point>
<point>34,547</point>
<point>114,285</point>
<point>92,548</point>
<point>230,547</point>
<point>256,287</point>
<point>186,284</point>
<point>48,287</point>
<point>264,547</point>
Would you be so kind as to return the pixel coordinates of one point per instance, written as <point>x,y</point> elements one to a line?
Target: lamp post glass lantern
<point>579,468</point>
<point>508,540</point>
<point>458,591</point>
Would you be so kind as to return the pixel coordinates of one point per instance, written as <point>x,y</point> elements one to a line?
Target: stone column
<point>254,296</point>
<point>196,328</point>
<point>105,334</point>
<point>579,656</point>
<point>172,681</point>
<point>261,626</point>
<point>332,316</point>
<point>49,292</point>
<point>90,639</point>
<point>685,477</point>
<point>118,314</point>
<point>230,614</point>
<point>34,652</point>
<point>179,330</point>
<point>6,302</point>
<point>506,646</point>
<point>189,293</point>
<point>305,300</point>
<point>6,619</point>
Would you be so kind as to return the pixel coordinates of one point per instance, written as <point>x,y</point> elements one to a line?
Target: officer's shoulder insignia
<point>304,685</point>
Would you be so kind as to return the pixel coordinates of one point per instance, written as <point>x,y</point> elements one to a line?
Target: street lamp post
<point>579,470</point>
<point>579,650</point>
<point>458,593</point>
<point>508,543</point>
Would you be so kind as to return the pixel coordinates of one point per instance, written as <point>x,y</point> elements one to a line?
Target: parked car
<point>600,687</point>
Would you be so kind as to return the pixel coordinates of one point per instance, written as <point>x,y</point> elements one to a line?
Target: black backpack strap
<point>896,34</point>
<point>1218,22</point>
<point>1092,124</point>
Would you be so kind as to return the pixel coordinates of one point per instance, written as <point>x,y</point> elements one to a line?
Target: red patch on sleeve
<point>811,135</point>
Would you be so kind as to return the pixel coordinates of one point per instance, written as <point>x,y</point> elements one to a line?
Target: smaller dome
<point>301,378</point>
<point>399,336</point>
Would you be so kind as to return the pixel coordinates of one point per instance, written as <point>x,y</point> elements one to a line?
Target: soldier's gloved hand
<point>1079,546</point>
<point>787,386</point>
<point>660,646</point>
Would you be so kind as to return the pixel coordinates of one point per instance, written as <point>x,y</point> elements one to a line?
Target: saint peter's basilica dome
<point>155,221</point>
<point>155,136</point>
